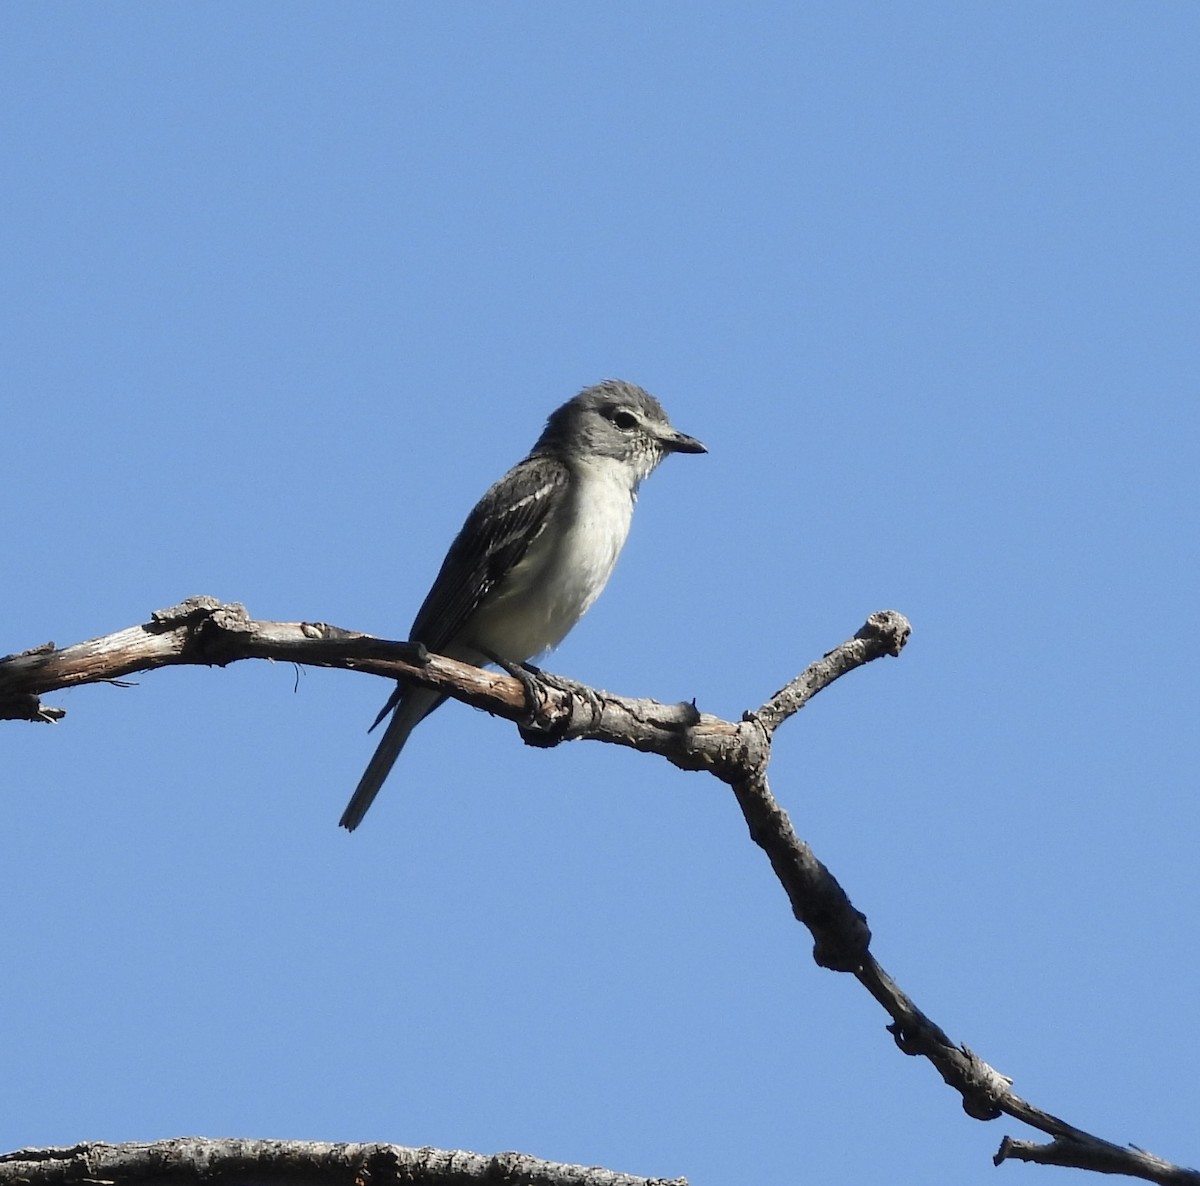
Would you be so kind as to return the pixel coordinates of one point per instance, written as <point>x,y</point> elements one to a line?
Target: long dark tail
<point>412,706</point>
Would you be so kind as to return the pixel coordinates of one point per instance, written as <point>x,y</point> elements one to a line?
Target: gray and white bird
<point>535,552</point>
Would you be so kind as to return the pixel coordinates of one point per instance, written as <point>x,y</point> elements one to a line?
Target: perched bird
<point>535,552</point>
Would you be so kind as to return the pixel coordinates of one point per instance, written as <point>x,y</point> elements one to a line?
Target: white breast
<point>567,567</point>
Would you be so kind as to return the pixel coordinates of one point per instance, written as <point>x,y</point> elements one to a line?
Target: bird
<point>534,554</point>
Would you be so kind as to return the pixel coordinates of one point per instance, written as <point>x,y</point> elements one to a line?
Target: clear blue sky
<point>287,285</point>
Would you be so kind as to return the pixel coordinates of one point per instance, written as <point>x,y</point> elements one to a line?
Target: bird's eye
<point>623,419</point>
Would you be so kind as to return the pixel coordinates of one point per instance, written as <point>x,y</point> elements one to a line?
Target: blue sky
<point>286,286</point>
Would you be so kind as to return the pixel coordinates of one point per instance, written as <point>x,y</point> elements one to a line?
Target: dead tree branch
<point>204,631</point>
<point>194,1160</point>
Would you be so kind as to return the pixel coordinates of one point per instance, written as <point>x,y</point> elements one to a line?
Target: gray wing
<point>496,535</point>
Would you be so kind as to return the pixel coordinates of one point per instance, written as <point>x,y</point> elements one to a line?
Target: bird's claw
<point>540,729</point>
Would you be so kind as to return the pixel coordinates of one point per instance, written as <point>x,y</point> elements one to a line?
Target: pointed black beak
<point>680,442</point>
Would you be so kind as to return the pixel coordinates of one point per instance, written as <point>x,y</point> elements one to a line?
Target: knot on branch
<point>187,612</point>
<point>887,630</point>
<point>982,1088</point>
<point>841,933</point>
<point>208,626</point>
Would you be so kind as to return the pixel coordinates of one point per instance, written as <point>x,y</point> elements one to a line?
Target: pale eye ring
<point>623,419</point>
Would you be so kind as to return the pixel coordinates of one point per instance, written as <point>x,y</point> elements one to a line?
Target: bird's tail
<point>413,706</point>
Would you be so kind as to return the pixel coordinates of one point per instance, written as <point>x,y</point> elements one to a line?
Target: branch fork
<point>549,710</point>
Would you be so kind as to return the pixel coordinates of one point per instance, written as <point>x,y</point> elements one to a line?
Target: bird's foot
<point>540,729</point>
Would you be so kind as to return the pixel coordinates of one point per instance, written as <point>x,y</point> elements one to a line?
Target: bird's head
<point>617,420</point>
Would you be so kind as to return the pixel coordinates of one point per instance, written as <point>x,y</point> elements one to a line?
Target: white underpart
<point>564,571</point>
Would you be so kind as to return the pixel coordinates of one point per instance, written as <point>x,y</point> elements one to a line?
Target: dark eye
<point>623,419</point>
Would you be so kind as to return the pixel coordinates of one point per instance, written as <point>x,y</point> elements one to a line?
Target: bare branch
<point>1100,1156</point>
<point>818,901</point>
<point>883,633</point>
<point>202,630</point>
<point>206,632</point>
<point>291,1163</point>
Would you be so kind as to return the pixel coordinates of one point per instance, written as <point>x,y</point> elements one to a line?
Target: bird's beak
<point>680,442</point>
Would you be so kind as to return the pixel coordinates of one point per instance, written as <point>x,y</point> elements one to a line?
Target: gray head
<point>618,420</point>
